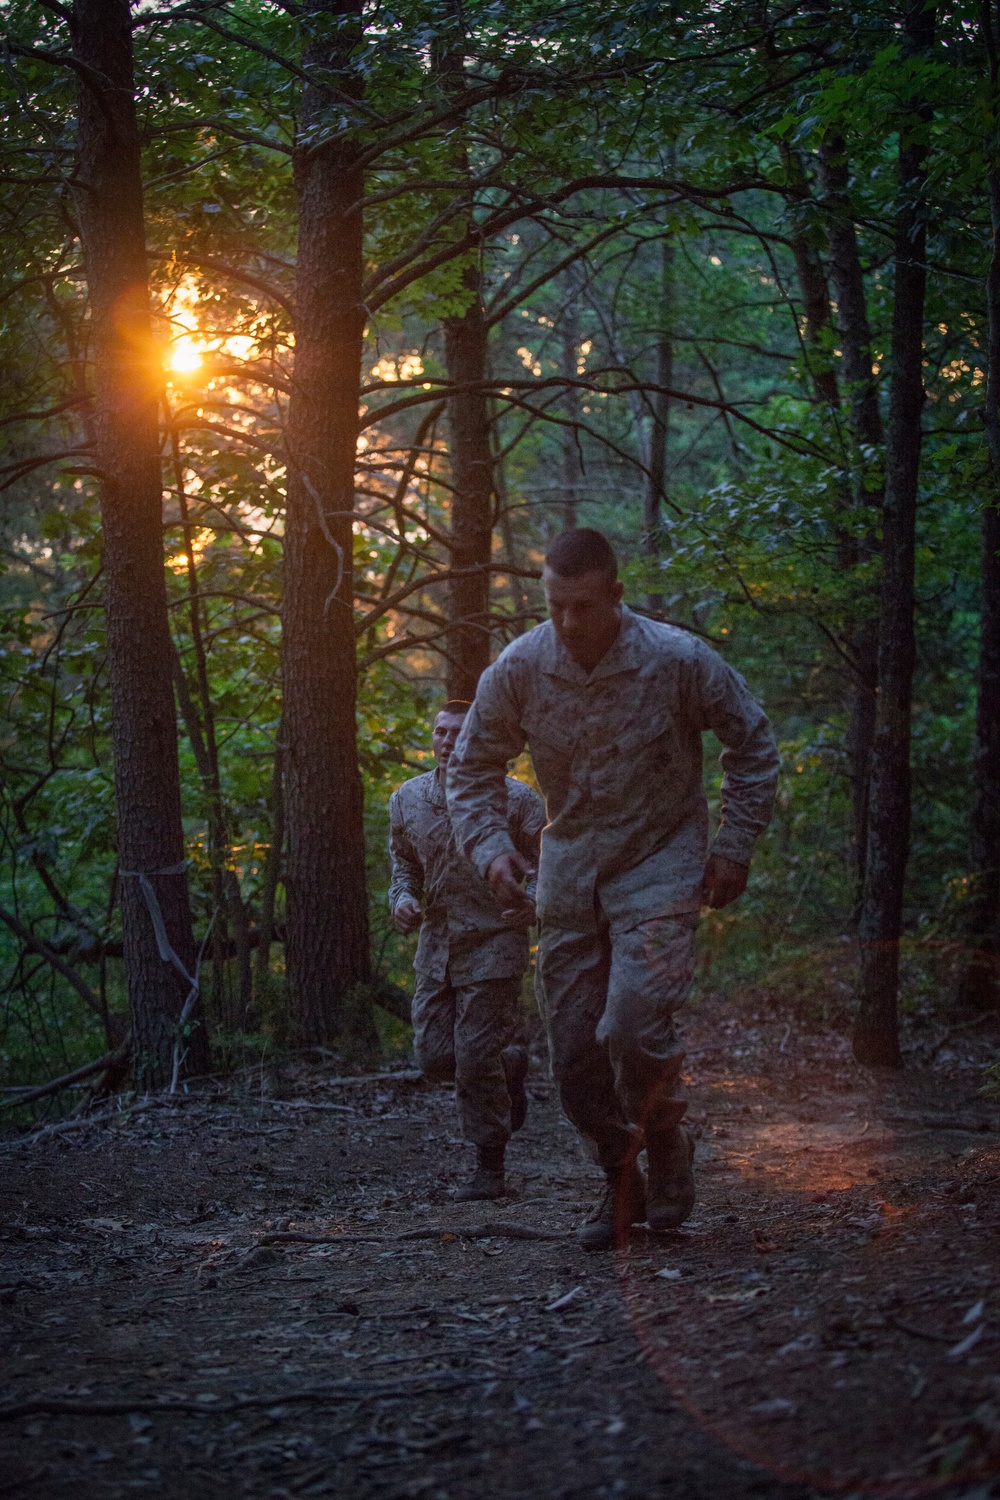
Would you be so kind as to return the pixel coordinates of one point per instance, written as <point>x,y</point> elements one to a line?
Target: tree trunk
<point>515,583</point>
<point>470,449</point>
<point>655,488</point>
<point>876,1039</point>
<point>979,985</point>
<point>816,307</point>
<point>472,495</point>
<point>852,306</point>
<point>200,722</point>
<point>569,434</point>
<point>126,391</point>
<point>980,981</point>
<point>327,949</point>
<point>867,484</point>
<point>269,884</point>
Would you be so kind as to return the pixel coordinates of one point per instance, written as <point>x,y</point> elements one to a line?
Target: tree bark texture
<point>270,882</point>
<point>327,950</point>
<point>515,584</point>
<point>847,275</point>
<point>655,486</point>
<point>569,434</point>
<point>472,495</point>
<point>980,981</point>
<point>876,1038</point>
<point>469,418</point>
<point>813,289</point>
<point>126,392</point>
<point>867,484</point>
<point>200,721</point>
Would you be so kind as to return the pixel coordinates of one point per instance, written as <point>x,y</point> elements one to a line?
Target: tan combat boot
<point>670,1185</point>
<point>488,1179</point>
<point>621,1204</point>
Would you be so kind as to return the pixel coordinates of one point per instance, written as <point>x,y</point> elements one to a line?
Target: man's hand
<point>724,881</point>
<point>504,878</point>
<point>407,917</point>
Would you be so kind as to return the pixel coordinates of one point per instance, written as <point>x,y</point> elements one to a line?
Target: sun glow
<point>185,356</point>
<point>201,539</point>
<point>392,367</point>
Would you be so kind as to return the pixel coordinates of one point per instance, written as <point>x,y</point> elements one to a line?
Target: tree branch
<point>60,965</point>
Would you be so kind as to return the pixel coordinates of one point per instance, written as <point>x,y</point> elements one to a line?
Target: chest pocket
<point>650,739</point>
<point>639,764</point>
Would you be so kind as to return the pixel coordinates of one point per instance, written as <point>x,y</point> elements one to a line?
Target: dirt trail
<point>830,1319</point>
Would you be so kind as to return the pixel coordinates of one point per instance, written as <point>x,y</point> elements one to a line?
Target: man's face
<point>584,612</point>
<point>447,728</point>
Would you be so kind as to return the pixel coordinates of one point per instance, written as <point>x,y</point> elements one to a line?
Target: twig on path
<point>473,1232</point>
<point>921,1333</point>
<point>347,1390</point>
<point>412,1075</point>
<point>81,1123</point>
<point>343,1109</point>
<point>942,1122</point>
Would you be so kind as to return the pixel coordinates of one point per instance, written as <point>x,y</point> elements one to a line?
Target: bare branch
<point>233,273</point>
<point>58,1084</point>
<point>50,956</point>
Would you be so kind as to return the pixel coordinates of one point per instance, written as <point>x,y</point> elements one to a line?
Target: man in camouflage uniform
<point>612,706</point>
<point>471,956</point>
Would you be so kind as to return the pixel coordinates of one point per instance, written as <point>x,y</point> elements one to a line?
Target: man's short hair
<point>581,551</point>
<point>457,707</point>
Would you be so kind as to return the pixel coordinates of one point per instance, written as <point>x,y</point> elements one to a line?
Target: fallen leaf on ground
<point>778,1406</point>
<point>565,1299</point>
<point>967,1343</point>
<point>749,1295</point>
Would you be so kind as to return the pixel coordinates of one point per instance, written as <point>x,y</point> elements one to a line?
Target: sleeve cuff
<point>731,843</point>
<point>490,848</point>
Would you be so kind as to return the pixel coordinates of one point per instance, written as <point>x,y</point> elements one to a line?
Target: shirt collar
<point>623,656</point>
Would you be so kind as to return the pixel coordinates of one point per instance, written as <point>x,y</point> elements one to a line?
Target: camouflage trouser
<point>608,1000</point>
<point>469,1033</point>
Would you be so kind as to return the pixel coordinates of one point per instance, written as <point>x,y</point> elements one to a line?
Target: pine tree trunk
<point>126,389</point>
<point>269,885</point>
<point>472,496</point>
<point>515,584</point>
<point>980,981</point>
<point>655,486</point>
<point>206,753</point>
<point>876,1038</point>
<point>812,287</point>
<point>469,417</point>
<point>860,636</point>
<point>327,951</point>
<point>867,486</point>
<point>569,436</point>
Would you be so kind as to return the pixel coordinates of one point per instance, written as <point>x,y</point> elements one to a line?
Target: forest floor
<point>829,1320</point>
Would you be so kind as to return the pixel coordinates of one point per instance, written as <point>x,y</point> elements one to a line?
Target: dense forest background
<point>368,302</point>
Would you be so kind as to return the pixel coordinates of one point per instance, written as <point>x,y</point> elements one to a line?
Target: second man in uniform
<point>471,958</point>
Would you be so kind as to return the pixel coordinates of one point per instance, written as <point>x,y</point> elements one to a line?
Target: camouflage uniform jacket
<point>462,932</point>
<point>618,754</point>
